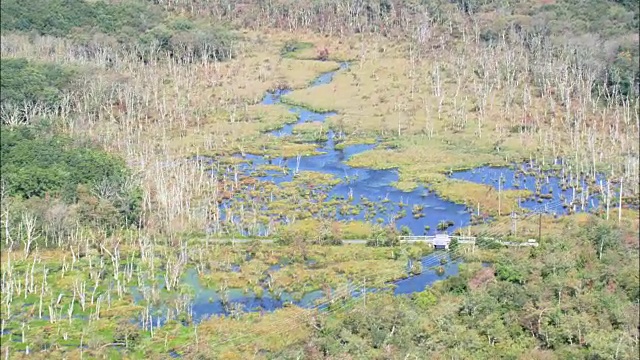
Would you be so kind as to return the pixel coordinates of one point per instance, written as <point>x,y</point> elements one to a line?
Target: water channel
<point>375,185</point>
<point>553,194</point>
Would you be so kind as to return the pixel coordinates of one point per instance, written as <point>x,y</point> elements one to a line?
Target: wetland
<point>139,142</point>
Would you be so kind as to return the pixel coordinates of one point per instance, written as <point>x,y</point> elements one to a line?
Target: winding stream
<point>553,194</point>
<point>208,302</point>
<point>362,184</point>
<point>375,185</point>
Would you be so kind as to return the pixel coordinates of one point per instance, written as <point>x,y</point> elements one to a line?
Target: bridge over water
<point>442,241</point>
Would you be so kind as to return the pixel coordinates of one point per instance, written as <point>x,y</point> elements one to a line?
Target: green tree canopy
<point>28,83</point>
<point>36,164</point>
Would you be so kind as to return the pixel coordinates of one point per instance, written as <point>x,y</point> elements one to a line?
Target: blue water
<point>372,190</point>
<point>428,276</point>
<point>206,302</point>
<point>360,185</point>
<point>275,267</point>
<point>371,196</point>
<point>579,193</point>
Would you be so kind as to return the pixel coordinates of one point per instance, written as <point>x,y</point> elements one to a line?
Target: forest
<point>248,179</point>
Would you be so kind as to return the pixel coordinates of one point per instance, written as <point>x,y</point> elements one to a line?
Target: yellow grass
<point>344,230</point>
<point>310,127</point>
<point>490,200</point>
<point>240,339</point>
<point>356,229</point>
<point>428,162</point>
<point>336,274</point>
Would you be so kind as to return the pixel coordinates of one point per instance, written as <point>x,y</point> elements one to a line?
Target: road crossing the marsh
<point>440,240</point>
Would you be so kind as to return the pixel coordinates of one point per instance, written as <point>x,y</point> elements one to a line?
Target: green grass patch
<point>293,49</point>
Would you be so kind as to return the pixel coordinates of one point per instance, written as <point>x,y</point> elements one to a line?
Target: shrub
<point>509,273</point>
<point>37,164</point>
<point>323,54</point>
<point>28,84</point>
<point>425,299</point>
<point>384,236</point>
<point>136,26</point>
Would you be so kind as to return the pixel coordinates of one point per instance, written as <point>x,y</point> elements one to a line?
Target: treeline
<point>29,86</point>
<point>134,26</point>
<point>53,184</point>
<point>601,34</point>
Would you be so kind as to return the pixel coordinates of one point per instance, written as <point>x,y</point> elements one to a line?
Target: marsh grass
<point>311,131</point>
<point>112,306</point>
<point>429,163</point>
<point>290,100</point>
<point>435,112</point>
<point>433,100</point>
<point>310,44</point>
<point>527,227</point>
<point>490,200</point>
<point>303,268</point>
<point>265,333</point>
<point>342,143</point>
<point>292,49</point>
<point>310,228</point>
